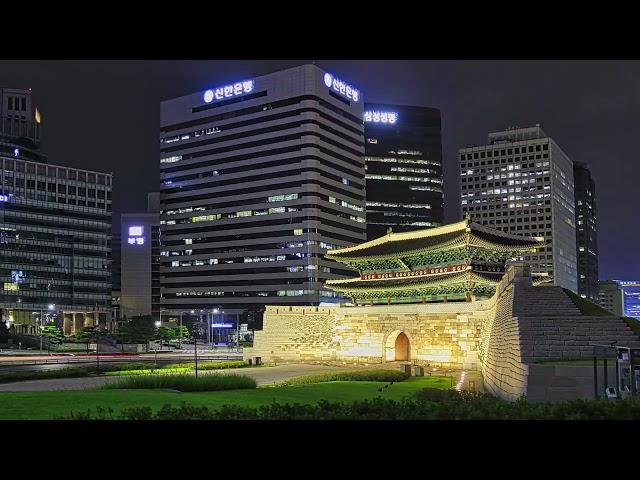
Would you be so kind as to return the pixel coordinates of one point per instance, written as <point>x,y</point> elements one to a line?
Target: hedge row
<point>427,405</point>
<point>352,376</point>
<point>185,382</point>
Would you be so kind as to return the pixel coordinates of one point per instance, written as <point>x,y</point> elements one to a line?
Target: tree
<point>138,330</point>
<point>186,335</point>
<point>4,332</point>
<point>254,318</point>
<point>53,333</point>
<point>166,334</point>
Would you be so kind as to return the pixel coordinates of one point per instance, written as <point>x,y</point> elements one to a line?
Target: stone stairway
<point>543,301</point>
<point>551,327</point>
<point>571,337</point>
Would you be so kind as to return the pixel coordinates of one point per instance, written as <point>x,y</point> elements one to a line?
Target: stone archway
<point>397,347</point>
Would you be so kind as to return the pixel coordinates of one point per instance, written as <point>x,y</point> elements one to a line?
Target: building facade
<point>140,262</point>
<point>403,153</point>
<point>586,231</point>
<point>20,126</point>
<point>259,178</point>
<point>55,227</point>
<point>521,182</point>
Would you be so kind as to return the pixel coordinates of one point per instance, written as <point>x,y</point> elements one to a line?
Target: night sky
<point>103,115</point>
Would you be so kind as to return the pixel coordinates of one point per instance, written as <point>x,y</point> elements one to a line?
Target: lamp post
<point>155,351</point>
<point>51,307</point>
<point>180,335</point>
<point>215,311</point>
<point>40,323</point>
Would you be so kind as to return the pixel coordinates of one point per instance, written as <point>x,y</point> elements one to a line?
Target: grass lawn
<point>51,405</point>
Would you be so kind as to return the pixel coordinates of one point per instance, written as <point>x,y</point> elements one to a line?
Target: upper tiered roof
<point>464,233</point>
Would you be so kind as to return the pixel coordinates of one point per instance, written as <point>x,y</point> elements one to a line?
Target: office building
<point>259,178</point>
<point>621,297</point>
<point>403,153</point>
<point>521,182</point>
<point>586,231</point>
<point>20,126</point>
<point>55,227</point>
<point>140,261</point>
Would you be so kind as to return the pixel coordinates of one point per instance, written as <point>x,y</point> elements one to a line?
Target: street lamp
<point>157,324</point>
<point>180,336</point>
<point>212,339</point>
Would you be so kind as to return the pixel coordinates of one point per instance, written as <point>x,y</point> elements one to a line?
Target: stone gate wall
<point>439,335</point>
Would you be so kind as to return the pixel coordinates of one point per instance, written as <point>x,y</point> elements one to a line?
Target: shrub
<point>449,405</point>
<point>8,377</point>
<point>352,376</point>
<point>121,367</point>
<point>208,365</point>
<point>185,383</point>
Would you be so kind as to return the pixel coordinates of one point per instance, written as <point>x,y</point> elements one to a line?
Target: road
<point>262,375</point>
<point>44,362</point>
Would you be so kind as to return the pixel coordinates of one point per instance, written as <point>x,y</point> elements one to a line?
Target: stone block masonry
<point>443,337</point>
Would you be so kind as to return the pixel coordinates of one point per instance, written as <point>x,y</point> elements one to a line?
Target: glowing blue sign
<point>380,117</point>
<point>16,152</point>
<point>229,91</point>
<point>4,198</point>
<point>631,298</point>
<point>135,235</point>
<point>222,325</point>
<point>341,87</point>
<point>17,276</point>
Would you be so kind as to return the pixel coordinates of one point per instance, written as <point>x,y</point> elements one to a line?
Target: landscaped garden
<point>346,395</point>
<point>52,405</point>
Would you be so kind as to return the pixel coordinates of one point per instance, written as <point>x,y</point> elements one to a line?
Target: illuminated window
<point>297,231</point>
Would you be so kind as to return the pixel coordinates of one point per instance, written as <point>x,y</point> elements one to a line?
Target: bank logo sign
<point>380,117</point>
<point>341,87</point>
<point>229,91</point>
<point>136,235</point>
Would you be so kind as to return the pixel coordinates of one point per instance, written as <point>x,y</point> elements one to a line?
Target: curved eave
<point>398,237</point>
<point>457,278</point>
<point>456,243</point>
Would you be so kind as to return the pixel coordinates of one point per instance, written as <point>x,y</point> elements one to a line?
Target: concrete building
<point>403,153</point>
<point>140,261</point>
<point>586,231</point>
<point>55,227</point>
<point>20,126</point>
<point>259,178</point>
<point>521,182</point>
